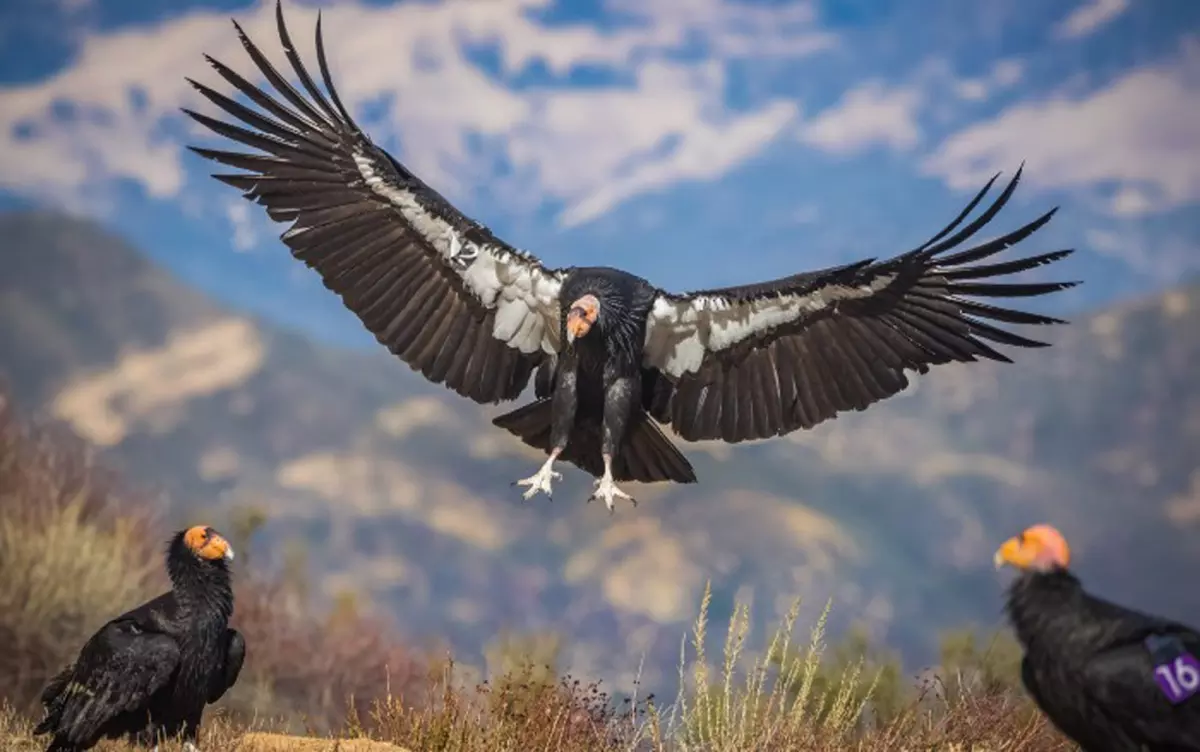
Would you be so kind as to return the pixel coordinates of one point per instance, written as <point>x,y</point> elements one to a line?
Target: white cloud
<point>1162,259</point>
<point>936,77</point>
<point>1089,17</point>
<point>245,237</point>
<point>1130,201</point>
<point>1007,73</point>
<point>868,115</point>
<point>1004,74</point>
<point>596,136</point>
<point>589,147</point>
<point>736,29</point>
<point>971,89</point>
<point>1136,138</point>
<point>618,137</point>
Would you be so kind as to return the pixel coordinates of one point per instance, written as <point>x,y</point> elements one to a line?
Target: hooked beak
<point>208,544</point>
<point>1005,554</point>
<point>577,324</point>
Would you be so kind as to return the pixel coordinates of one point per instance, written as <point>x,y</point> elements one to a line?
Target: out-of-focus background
<point>154,312</point>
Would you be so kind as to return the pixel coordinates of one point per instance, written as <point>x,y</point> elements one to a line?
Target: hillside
<point>400,489</point>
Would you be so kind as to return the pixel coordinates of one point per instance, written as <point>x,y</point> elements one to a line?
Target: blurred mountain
<point>398,490</point>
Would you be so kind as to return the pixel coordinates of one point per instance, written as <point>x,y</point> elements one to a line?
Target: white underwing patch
<point>680,331</point>
<point>524,295</point>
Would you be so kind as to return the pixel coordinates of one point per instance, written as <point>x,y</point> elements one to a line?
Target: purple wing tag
<point>1176,670</point>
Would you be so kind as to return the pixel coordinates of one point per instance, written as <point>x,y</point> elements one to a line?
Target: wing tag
<point>1175,669</point>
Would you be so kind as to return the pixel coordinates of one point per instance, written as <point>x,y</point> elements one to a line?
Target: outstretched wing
<point>119,669</point>
<point>435,287</point>
<point>765,360</point>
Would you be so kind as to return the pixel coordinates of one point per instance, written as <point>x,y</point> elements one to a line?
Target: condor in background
<point>148,673</point>
<point>615,355</point>
<point>1110,678</point>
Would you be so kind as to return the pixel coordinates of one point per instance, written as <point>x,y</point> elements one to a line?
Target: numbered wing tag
<point>1175,669</point>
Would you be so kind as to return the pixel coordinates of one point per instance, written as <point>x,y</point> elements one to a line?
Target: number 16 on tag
<point>1179,679</point>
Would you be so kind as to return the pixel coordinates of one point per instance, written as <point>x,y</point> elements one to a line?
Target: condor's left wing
<point>764,360</point>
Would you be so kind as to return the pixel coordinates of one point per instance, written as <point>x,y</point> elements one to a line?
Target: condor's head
<point>1040,548</point>
<point>582,316</point>
<point>198,566</point>
<point>200,545</point>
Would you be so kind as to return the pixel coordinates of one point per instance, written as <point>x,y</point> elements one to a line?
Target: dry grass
<point>737,710</point>
<point>77,547</point>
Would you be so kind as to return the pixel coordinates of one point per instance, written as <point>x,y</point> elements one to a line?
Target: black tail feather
<point>647,455</point>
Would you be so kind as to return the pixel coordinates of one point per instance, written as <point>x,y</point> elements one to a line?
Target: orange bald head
<point>1040,548</point>
<point>207,543</point>
<point>581,316</point>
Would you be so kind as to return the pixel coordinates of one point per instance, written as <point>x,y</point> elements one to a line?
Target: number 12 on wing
<point>1180,678</point>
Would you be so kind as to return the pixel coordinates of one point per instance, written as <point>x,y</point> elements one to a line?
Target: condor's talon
<point>608,491</point>
<point>540,481</point>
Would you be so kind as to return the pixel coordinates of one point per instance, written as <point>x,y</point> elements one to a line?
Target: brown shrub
<point>521,710</point>
<point>71,550</point>
<point>297,664</point>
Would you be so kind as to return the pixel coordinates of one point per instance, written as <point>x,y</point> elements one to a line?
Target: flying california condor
<point>614,355</point>
<point>148,673</point>
<point>1110,678</point>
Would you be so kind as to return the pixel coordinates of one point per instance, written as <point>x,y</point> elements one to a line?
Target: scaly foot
<point>540,481</point>
<point>608,492</point>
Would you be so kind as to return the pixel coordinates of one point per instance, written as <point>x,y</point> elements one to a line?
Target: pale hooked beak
<point>1007,553</point>
<point>577,324</point>
<point>228,553</point>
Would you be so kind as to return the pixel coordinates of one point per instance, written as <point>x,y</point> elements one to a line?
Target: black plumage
<point>474,313</point>
<point>591,406</point>
<point>1091,664</point>
<point>148,673</point>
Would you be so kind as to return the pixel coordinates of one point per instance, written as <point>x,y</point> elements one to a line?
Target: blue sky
<point>697,142</point>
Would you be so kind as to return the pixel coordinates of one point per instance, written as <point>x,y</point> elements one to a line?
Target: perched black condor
<point>148,673</point>
<point>614,355</point>
<point>1110,678</point>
